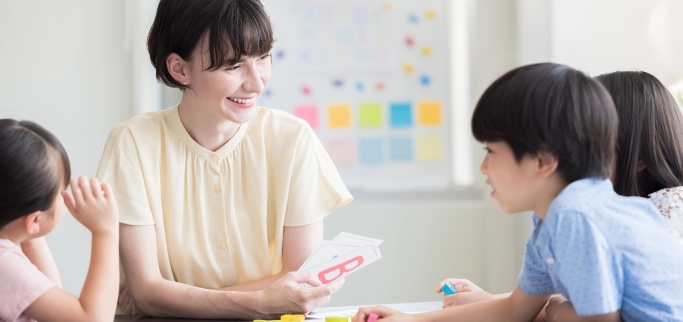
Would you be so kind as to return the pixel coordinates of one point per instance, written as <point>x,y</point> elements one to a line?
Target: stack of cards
<point>342,256</point>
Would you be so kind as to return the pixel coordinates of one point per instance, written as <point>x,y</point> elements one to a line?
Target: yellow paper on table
<point>339,115</point>
<point>429,113</point>
<point>430,148</point>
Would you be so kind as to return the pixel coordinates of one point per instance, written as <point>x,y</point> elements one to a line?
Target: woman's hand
<point>127,304</point>
<point>385,314</point>
<point>468,293</point>
<point>286,295</point>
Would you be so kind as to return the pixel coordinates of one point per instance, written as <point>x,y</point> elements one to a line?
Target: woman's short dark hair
<point>551,108</point>
<point>34,167</point>
<point>179,25</point>
<point>650,130</point>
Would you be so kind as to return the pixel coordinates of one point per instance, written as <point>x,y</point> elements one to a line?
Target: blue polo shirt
<point>605,252</point>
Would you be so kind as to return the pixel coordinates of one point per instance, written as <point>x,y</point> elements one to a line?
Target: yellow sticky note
<point>388,5</point>
<point>409,68</point>
<point>431,14</point>
<point>339,115</point>
<point>370,114</point>
<point>429,113</point>
<point>426,50</point>
<point>429,148</point>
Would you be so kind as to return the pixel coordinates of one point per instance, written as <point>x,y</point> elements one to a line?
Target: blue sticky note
<point>370,151</point>
<point>413,18</point>
<point>425,80</point>
<point>360,86</point>
<point>401,149</point>
<point>401,114</point>
<point>448,289</point>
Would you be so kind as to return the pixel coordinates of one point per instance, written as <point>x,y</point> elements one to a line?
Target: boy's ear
<point>31,222</point>
<point>547,164</point>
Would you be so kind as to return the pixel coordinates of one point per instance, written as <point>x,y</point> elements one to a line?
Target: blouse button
<point>550,261</point>
<point>222,246</point>
<point>217,189</point>
<point>214,157</point>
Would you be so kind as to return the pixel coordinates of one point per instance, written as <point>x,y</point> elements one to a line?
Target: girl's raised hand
<point>93,205</point>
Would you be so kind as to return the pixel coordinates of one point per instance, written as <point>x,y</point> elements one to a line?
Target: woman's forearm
<point>257,285</point>
<point>163,298</point>
<point>39,254</point>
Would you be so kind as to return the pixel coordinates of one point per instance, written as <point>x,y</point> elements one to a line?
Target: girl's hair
<point>33,169</point>
<point>242,26</point>
<point>650,130</point>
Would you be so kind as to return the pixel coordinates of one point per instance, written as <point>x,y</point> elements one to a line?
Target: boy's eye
<point>487,150</point>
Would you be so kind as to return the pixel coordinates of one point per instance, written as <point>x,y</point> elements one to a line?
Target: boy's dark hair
<point>650,129</point>
<point>552,108</point>
<point>239,25</point>
<point>34,167</point>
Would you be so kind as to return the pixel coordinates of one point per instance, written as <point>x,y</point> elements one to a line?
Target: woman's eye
<point>265,56</point>
<point>230,68</point>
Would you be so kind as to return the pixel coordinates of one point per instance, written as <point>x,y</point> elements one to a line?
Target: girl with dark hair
<point>221,200</point>
<point>648,157</point>
<point>34,171</point>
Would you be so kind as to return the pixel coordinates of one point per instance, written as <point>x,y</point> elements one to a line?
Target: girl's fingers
<point>96,188</point>
<point>76,191</point>
<point>69,202</point>
<point>86,190</point>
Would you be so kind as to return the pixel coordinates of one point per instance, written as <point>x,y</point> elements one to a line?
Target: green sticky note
<point>370,114</point>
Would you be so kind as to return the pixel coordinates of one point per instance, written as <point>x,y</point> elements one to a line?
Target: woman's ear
<point>640,166</point>
<point>31,222</point>
<point>178,68</point>
<point>547,164</point>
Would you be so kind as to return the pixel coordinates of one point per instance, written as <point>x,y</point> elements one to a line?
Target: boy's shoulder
<point>593,196</point>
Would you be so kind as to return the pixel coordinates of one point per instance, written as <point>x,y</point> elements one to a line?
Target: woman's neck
<point>207,130</point>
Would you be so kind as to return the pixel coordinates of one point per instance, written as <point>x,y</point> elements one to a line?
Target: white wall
<point>64,67</point>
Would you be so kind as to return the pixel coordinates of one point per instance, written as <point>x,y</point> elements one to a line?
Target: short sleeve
<point>588,267</point>
<point>534,278</point>
<point>21,283</point>
<point>316,189</point>
<point>121,167</point>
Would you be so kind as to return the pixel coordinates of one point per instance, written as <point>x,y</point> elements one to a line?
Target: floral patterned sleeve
<point>669,202</point>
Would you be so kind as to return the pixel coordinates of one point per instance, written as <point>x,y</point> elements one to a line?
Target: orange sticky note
<point>430,148</point>
<point>429,113</point>
<point>339,115</point>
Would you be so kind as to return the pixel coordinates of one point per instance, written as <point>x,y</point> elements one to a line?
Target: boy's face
<point>514,183</point>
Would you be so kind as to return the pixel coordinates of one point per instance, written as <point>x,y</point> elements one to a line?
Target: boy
<point>549,132</point>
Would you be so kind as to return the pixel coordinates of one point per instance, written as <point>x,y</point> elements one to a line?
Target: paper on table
<point>342,256</point>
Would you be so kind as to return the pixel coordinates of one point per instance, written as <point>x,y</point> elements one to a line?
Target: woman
<point>648,163</point>
<point>219,198</point>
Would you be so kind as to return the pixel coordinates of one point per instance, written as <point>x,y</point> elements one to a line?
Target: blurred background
<point>388,85</point>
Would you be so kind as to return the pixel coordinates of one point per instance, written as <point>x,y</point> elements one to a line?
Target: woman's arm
<point>298,243</point>
<point>153,295</point>
<point>39,254</point>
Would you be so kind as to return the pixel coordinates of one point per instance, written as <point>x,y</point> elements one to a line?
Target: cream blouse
<point>219,216</point>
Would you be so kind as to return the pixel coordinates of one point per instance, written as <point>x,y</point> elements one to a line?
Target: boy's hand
<point>385,315</point>
<point>93,205</point>
<point>468,293</point>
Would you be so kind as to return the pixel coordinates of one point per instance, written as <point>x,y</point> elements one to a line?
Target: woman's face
<point>230,92</point>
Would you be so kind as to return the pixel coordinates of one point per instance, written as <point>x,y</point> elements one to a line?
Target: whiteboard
<point>372,79</point>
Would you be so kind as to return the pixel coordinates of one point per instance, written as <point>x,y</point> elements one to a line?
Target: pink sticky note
<point>309,113</point>
<point>342,152</point>
<point>306,90</point>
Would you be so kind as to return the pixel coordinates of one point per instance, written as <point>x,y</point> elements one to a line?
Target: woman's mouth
<point>243,103</point>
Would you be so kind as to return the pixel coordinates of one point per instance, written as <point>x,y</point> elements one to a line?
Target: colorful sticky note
<point>427,51</point>
<point>280,54</point>
<point>430,14</point>
<point>370,151</point>
<point>339,116</point>
<point>342,152</point>
<point>268,93</point>
<point>360,86</point>
<point>401,149</point>
<point>309,113</point>
<point>429,113</point>
<point>306,90</point>
<point>425,80</point>
<point>370,114</point>
<point>413,18</point>
<point>338,82</point>
<point>401,114</point>
<point>409,68</point>
<point>388,5</point>
<point>380,86</point>
<point>430,148</point>
<point>410,41</point>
